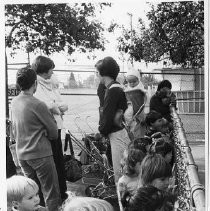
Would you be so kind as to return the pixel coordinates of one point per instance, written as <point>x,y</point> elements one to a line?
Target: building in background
<point>188,85</point>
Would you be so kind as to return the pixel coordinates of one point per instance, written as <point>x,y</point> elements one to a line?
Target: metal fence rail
<point>191,194</point>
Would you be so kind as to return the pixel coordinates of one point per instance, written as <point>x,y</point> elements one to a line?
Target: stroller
<point>97,167</point>
<point>134,115</point>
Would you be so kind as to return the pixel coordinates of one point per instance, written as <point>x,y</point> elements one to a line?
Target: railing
<point>191,194</point>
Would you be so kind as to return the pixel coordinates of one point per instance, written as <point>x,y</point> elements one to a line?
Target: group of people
<point>141,147</point>
<point>141,144</point>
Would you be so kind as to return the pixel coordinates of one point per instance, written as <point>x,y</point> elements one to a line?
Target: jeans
<point>59,164</point>
<point>119,142</point>
<point>44,169</point>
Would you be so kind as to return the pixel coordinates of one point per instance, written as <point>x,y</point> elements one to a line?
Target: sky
<point>118,12</point>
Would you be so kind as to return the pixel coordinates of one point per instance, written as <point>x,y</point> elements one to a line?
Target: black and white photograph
<point>105,106</point>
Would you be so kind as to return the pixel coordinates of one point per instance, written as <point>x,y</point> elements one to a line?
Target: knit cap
<point>133,72</point>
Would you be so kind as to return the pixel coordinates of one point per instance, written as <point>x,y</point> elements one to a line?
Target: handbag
<point>72,166</point>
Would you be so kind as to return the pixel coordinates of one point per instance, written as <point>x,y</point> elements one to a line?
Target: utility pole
<point>131,25</point>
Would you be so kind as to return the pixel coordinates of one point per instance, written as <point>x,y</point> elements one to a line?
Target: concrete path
<point>198,151</point>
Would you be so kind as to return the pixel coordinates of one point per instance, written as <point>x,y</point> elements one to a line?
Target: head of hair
<point>17,187</point>
<point>151,117</point>
<point>108,67</point>
<point>86,203</point>
<point>154,166</point>
<point>25,78</point>
<point>141,143</point>
<point>42,65</point>
<point>164,83</point>
<point>98,63</point>
<point>134,156</point>
<point>147,198</point>
<point>160,146</point>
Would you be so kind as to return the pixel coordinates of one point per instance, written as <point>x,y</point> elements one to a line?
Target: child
<point>157,125</point>
<point>87,204</point>
<point>162,99</point>
<point>136,100</point>
<point>155,171</point>
<point>147,198</point>
<point>143,143</point>
<point>133,80</point>
<point>22,194</point>
<point>163,148</point>
<point>129,180</point>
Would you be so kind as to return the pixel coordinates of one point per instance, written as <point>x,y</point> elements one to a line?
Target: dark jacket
<point>114,100</point>
<point>157,105</point>
<point>101,93</point>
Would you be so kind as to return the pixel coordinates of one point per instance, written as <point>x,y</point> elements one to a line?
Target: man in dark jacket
<point>114,107</point>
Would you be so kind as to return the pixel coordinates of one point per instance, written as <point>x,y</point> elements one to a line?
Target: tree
<point>148,80</point>
<point>72,81</point>
<point>90,81</point>
<point>54,27</point>
<point>176,32</point>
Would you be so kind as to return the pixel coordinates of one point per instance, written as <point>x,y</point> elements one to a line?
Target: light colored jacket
<point>51,97</point>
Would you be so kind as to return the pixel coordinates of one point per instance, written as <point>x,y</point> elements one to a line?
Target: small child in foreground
<point>22,194</point>
<point>86,204</point>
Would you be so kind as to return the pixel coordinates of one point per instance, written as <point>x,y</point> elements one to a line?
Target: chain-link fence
<point>190,191</point>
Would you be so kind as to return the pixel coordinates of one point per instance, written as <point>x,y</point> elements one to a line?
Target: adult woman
<point>114,106</point>
<point>46,93</point>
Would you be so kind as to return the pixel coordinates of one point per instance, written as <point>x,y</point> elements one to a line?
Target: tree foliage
<point>54,27</point>
<point>148,80</point>
<point>72,81</point>
<point>176,31</point>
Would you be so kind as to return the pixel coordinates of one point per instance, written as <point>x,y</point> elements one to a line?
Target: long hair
<point>134,156</point>
<point>152,167</point>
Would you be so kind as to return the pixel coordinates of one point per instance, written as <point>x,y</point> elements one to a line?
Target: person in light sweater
<point>47,91</point>
<point>34,128</point>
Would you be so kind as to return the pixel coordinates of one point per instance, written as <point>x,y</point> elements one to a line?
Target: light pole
<point>131,25</point>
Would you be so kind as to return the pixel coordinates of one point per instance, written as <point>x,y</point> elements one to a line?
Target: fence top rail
<point>197,189</point>
<point>123,72</point>
<point>18,63</point>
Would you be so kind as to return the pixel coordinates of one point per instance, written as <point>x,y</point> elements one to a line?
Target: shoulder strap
<point>116,85</point>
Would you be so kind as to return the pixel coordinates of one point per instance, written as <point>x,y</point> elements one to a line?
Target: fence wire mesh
<point>186,173</point>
